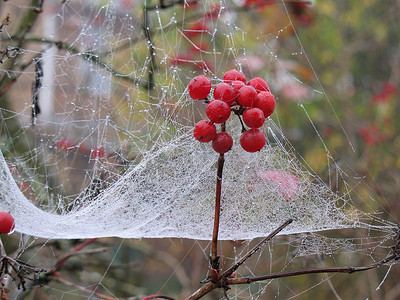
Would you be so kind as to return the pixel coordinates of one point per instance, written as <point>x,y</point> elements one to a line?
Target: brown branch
<point>152,57</point>
<point>74,251</point>
<point>214,243</point>
<point>232,269</point>
<point>157,297</point>
<point>81,288</point>
<point>164,5</point>
<point>88,55</point>
<point>13,79</point>
<point>348,270</point>
<point>25,24</point>
<point>222,281</point>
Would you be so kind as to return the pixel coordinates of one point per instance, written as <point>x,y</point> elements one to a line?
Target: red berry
<point>7,223</point>
<point>266,102</point>
<point>252,140</point>
<point>233,75</point>
<point>259,84</point>
<point>222,143</point>
<point>247,96</point>
<point>253,117</point>
<point>205,131</point>
<point>218,111</point>
<point>237,85</point>
<point>199,87</point>
<point>226,93</point>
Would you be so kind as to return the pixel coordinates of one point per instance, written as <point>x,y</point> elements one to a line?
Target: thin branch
<point>152,61</point>
<point>222,281</point>
<point>164,5</point>
<point>81,288</point>
<point>348,270</point>
<point>255,249</point>
<point>88,55</point>
<point>157,297</point>
<point>74,251</point>
<point>24,26</point>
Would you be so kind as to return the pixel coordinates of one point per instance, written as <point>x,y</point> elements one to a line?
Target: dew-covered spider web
<point>97,128</point>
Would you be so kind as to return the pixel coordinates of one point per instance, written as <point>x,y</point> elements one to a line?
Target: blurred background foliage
<point>338,64</point>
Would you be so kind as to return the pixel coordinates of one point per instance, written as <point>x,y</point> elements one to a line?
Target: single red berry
<point>222,143</point>
<point>218,111</point>
<point>199,87</point>
<point>253,117</point>
<point>226,93</point>
<point>259,84</point>
<point>237,85</point>
<point>247,96</point>
<point>266,102</point>
<point>233,75</point>
<point>7,223</point>
<point>252,140</point>
<point>205,131</point>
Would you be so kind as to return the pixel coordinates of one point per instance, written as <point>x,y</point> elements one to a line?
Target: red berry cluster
<point>252,102</point>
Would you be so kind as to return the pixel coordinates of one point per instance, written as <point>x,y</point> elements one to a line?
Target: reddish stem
<point>61,261</point>
<point>214,242</point>
<point>157,297</point>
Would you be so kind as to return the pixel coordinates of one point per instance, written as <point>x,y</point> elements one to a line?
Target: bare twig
<point>14,78</point>
<point>74,251</point>
<point>232,269</point>
<point>24,26</point>
<point>5,22</point>
<point>36,85</point>
<point>157,297</point>
<point>81,288</point>
<point>152,58</point>
<point>88,55</point>
<point>222,280</point>
<point>348,270</point>
<point>18,270</point>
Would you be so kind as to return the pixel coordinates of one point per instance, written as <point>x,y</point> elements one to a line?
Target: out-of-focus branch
<point>74,251</point>
<point>81,288</point>
<point>88,55</point>
<point>152,58</point>
<point>24,26</point>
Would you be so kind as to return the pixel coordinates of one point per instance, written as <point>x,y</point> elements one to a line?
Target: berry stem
<point>241,122</point>
<point>214,257</point>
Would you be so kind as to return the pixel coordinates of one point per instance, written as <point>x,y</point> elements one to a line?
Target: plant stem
<point>82,289</point>
<point>152,61</point>
<point>348,270</point>
<point>25,25</point>
<point>223,279</point>
<point>257,247</point>
<point>214,243</point>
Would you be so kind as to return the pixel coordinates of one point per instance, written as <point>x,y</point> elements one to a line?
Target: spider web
<point>111,152</point>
